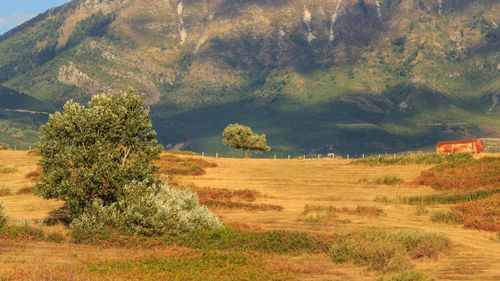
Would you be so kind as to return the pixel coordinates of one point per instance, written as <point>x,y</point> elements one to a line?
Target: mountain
<point>354,76</point>
<point>20,117</point>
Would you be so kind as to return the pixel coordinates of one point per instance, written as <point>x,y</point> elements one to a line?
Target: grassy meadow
<point>284,220</point>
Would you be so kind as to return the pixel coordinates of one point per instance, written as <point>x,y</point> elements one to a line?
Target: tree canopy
<point>242,137</point>
<point>92,152</point>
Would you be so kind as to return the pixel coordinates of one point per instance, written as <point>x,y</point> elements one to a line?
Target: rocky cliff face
<point>351,61</point>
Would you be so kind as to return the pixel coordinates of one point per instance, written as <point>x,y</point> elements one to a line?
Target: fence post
<point>217,155</point>
<point>363,156</point>
<point>347,156</point>
<point>334,156</point>
<point>394,156</point>
<point>288,156</point>
<point>304,157</point>
<point>203,154</point>
<point>274,156</point>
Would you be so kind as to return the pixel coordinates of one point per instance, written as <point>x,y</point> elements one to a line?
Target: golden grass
<point>291,184</point>
<point>296,183</point>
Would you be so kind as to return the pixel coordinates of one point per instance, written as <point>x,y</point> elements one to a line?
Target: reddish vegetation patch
<point>481,214</point>
<point>185,166</point>
<point>240,199</point>
<point>469,175</point>
<point>34,175</point>
<point>208,194</point>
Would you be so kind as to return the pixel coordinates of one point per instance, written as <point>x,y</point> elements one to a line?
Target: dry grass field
<point>316,196</point>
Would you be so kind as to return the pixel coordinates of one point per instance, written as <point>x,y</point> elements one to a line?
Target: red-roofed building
<point>460,146</point>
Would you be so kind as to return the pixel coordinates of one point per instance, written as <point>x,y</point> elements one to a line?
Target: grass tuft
<point>384,250</point>
<point>388,180</point>
<point>449,198</point>
<point>55,237</point>
<point>448,217</point>
<point>4,191</point>
<point>24,231</point>
<point>7,170</point>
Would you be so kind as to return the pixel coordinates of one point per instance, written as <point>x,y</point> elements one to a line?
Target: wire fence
<point>298,156</point>
<point>18,147</point>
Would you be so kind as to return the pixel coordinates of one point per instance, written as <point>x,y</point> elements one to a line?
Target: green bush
<point>386,251</point>
<point>89,153</point>
<point>55,237</point>
<point>146,210</point>
<point>24,230</point>
<point>3,218</point>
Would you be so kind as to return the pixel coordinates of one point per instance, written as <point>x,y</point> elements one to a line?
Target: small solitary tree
<point>242,137</point>
<point>93,152</point>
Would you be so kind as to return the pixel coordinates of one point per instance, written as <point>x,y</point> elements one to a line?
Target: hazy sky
<point>15,12</point>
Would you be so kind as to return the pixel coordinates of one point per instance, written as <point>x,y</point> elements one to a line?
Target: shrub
<point>482,214</point>
<point>386,251</point>
<point>467,175</point>
<point>4,191</point>
<point>55,237</point>
<point>3,218</point>
<point>420,210</point>
<point>149,211</point>
<point>449,217</point>
<point>413,158</point>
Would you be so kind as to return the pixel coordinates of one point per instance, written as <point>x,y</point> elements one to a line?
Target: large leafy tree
<point>92,152</point>
<point>242,137</point>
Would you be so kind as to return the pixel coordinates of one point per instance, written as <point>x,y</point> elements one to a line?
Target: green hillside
<point>350,76</point>
<point>20,117</point>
